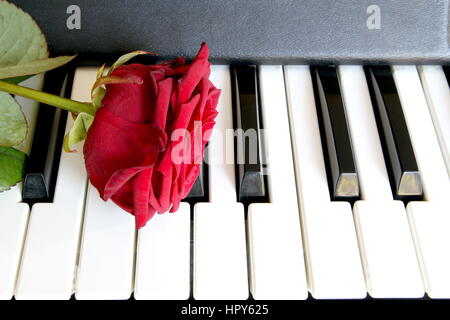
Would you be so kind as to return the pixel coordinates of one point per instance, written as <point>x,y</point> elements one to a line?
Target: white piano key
<point>13,222</point>
<point>50,250</point>
<point>437,93</point>
<point>163,257</point>
<point>390,264</point>
<point>332,256</point>
<point>220,257</point>
<point>13,213</point>
<point>12,232</point>
<point>430,219</point>
<point>275,242</point>
<point>106,263</point>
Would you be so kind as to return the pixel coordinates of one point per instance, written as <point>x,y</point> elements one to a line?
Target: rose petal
<point>141,188</point>
<point>159,195</point>
<point>197,70</point>
<point>119,179</point>
<point>110,138</point>
<point>162,103</point>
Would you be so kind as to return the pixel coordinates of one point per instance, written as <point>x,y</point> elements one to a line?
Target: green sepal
<point>125,58</point>
<point>97,96</point>
<point>78,131</point>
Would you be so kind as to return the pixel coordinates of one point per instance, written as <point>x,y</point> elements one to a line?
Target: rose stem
<point>50,99</point>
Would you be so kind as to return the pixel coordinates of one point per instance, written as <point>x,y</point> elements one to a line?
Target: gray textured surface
<point>263,31</point>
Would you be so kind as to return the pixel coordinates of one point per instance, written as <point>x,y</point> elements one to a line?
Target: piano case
<point>253,31</point>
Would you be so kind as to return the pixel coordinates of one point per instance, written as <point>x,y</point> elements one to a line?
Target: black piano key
<point>447,73</point>
<point>398,151</point>
<point>198,189</point>
<point>42,164</point>
<point>251,184</point>
<point>339,154</point>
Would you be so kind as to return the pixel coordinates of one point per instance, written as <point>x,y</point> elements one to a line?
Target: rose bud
<point>143,127</point>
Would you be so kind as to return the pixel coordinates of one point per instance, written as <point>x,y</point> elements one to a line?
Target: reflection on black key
<point>344,178</point>
<point>198,189</point>
<point>42,164</point>
<point>251,182</point>
<point>400,158</point>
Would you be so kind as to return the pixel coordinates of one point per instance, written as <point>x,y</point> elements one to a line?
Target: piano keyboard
<point>325,221</point>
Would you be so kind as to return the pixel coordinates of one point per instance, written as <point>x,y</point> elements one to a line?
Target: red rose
<point>129,152</point>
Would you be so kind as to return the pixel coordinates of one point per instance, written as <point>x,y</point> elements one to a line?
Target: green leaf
<point>12,163</point>
<point>21,39</point>
<point>78,132</point>
<point>23,52</point>
<point>34,67</point>
<point>17,80</point>
<point>13,125</point>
